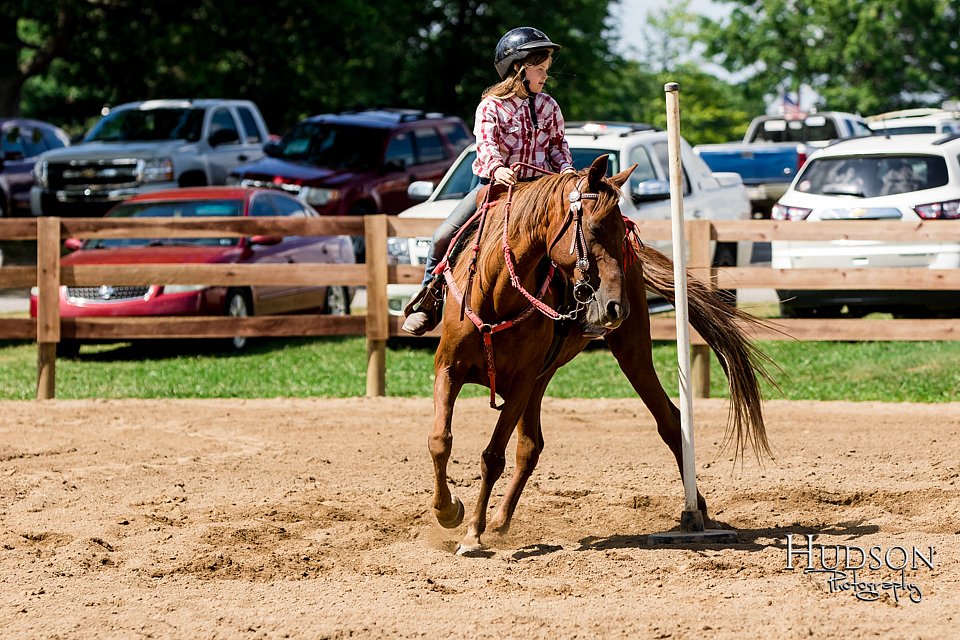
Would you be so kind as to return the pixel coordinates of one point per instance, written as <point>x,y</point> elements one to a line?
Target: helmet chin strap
<point>531,98</point>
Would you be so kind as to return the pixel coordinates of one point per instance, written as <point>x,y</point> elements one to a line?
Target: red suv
<point>358,162</point>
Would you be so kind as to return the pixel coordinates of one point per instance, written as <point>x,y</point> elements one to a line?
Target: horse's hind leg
<point>529,447</point>
<point>492,464</point>
<point>633,349</point>
<point>447,507</point>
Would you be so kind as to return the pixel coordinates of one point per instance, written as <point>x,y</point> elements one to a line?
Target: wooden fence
<point>377,325</point>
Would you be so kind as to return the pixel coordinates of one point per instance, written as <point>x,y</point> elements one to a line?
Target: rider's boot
<point>425,309</point>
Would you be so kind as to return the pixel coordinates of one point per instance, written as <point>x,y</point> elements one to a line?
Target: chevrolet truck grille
<point>76,175</point>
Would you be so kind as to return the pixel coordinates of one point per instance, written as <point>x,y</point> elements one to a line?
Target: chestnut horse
<point>565,232</point>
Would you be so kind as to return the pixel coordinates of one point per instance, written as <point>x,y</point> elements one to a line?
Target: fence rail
<point>377,325</point>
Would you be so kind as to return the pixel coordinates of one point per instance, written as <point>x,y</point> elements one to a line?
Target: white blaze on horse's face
<point>596,247</point>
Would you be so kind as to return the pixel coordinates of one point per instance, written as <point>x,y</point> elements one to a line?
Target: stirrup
<point>429,299</point>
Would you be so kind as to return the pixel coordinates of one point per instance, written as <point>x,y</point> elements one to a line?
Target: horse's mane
<point>532,204</point>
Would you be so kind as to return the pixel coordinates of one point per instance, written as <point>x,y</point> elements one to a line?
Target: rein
<point>583,291</point>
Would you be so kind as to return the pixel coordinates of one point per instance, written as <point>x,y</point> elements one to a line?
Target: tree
<point>867,56</point>
<point>32,36</point>
<point>301,57</point>
<point>713,110</point>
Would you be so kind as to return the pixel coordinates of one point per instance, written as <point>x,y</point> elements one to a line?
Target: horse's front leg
<point>446,387</point>
<point>492,463</point>
<point>529,446</point>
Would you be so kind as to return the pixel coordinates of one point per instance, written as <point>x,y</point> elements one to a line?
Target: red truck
<point>358,162</point>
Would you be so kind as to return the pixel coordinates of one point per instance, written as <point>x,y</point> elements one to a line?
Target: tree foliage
<point>62,60</point>
<point>859,55</point>
<point>296,59</point>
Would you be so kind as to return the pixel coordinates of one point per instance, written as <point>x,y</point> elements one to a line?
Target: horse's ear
<point>621,177</point>
<point>597,171</point>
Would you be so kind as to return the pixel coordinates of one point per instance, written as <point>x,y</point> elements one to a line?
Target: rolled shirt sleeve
<point>505,137</point>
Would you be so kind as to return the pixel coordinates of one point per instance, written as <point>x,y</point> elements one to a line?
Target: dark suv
<point>21,141</point>
<point>358,162</point>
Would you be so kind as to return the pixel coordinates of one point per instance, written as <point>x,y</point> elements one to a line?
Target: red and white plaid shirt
<point>505,135</point>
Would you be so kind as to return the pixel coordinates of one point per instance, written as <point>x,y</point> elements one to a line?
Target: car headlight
<point>317,196</point>
<point>398,251</point>
<point>40,174</point>
<point>155,170</point>
<point>183,288</point>
<point>793,214</point>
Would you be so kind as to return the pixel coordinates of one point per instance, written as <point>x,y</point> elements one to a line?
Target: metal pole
<point>692,519</point>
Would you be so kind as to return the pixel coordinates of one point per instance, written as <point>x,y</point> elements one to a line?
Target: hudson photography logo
<point>847,566</point>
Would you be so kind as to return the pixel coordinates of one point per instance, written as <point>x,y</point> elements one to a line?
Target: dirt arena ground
<point>309,519</point>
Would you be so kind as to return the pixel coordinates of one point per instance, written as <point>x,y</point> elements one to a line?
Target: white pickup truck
<point>774,149</point>
<point>715,196</point>
<point>148,146</point>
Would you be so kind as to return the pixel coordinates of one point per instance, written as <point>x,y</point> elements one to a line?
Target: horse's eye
<point>596,231</point>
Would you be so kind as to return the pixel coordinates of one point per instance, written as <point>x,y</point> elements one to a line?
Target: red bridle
<point>583,292</point>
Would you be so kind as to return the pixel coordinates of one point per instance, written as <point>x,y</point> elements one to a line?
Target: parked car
<point>187,299</point>
<point>148,146</point>
<point>774,149</point>
<point>358,162</point>
<point>21,141</point>
<point>715,196</point>
<point>907,121</point>
<point>906,178</point>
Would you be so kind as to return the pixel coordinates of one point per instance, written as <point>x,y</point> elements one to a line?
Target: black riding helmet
<point>517,44</point>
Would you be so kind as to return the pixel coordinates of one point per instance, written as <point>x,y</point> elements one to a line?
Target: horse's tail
<point>717,322</point>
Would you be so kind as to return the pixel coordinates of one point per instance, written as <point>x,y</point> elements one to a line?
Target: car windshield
<point>334,145</point>
<point>812,129</point>
<point>872,176</point>
<point>172,209</point>
<point>148,125</point>
<point>463,179</point>
<point>903,131</point>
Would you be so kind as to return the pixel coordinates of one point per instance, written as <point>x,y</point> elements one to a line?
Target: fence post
<point>701,266</point>
<point>48,305</point>
<point>375,232</point>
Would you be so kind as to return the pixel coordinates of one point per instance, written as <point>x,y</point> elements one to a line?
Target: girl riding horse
<point>515,123</point>
<point>565,239</point>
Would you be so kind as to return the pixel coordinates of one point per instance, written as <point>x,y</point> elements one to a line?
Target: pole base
<point>692,531</point>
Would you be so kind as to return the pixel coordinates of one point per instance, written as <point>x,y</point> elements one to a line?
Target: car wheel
<point>68,349</point>
<point>360,242</point>
<point>193,179</point>
<point>238,306</point>
<point>337,301</point>
<point>726,256</point>
<point>829,311</point>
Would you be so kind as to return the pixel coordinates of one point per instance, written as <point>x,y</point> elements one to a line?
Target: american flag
<point>791,108</point>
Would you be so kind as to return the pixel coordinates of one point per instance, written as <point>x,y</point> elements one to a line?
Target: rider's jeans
<point>447,230</point>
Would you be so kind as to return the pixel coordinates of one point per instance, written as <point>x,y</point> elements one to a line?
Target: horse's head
<point>587,243</point>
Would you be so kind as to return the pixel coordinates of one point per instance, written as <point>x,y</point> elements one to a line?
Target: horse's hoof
<point>454,522</point>
<point>470,549</point>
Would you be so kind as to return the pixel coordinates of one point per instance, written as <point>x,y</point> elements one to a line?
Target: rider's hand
<point>505,176</point>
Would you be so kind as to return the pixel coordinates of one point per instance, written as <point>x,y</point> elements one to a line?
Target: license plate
<point>861,213</point>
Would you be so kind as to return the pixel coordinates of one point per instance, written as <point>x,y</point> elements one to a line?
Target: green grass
<point>336,367</point>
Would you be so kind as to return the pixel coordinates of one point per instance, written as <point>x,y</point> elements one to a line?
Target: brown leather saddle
<point>496,191</point>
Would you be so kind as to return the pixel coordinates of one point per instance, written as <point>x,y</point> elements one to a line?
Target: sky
<point>633,17</point>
